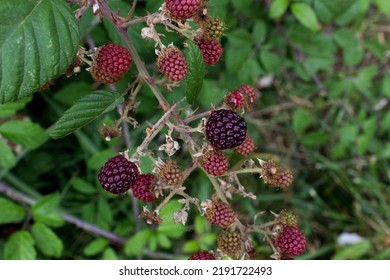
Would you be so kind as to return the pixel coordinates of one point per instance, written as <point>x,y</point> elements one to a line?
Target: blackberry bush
<point>152,142</point>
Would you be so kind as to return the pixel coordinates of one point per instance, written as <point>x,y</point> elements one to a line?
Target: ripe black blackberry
<point>118,175</point>
<point>225,129</point>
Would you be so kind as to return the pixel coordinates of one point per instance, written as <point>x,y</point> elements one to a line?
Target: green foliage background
<point>322,66</point>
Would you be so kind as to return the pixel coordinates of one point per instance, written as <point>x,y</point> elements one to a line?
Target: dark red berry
<point>202,255</point>
<point>220,214</point>
<point>118,175</point>
<point>291,241</point>
<point>246,148</point>
<point>225,129</point>
<point>172,63</point>
<point>182,9</point>
<point>215,162</point>
<point>143,189</point>
<point>211,50</point>
<point>110,63</point>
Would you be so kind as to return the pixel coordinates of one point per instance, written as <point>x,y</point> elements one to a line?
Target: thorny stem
<point>197,117</point>
<point>242,171</point>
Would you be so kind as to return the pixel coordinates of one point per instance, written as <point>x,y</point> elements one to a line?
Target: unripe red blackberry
<point>110,63</point>
<point>246,147</point>
<point>225,129</point>
<point>211,50</point>
<point>214,162</point>
<point>251,92</point>
<point>291,241</point>
<point>172,63</point>
<point>182,9</point>
<point>202,255</point>
<point>220,214</point>
<point>143,189</point>
<point>170,174</point>
<point>235,100</point>
<point>230,243</point>
<point>276,176</point>
<point>118,175</point>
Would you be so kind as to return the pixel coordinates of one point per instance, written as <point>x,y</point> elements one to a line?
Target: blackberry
<point>214,162</point>
<point>246,148</point>
<point>118,175</point>
<point>172,63</point>
<point>230,243</point>
<point>182,9</point>
<point>291,241</point>
<point>220,214</point>
<point>110,63</point>
<point>225,129</point>
<point>211,50</point>
<point>143,189</point>
<point>202,255</point>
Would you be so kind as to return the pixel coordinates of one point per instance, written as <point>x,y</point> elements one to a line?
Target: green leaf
<point>38,40</point>
<point>305,15</point>
<point>109,254</point>
<point>386,85</point>
<point>20,246</point>
<point>104,212</point>
<point>352,51</point>
<point>383,5</point>
<point>314,138</point>
<point>196,71</point>
<point>341,12</point>
<point>9,109</point>
<point>164,241</point>
<point>7,158</point>
<point>82,186</point>
<point>25,133</point>
<point>302,119</point>
<point>85,111</point>
<point>69,94</point>
<point>354,252</point>
<point>98,159</point>
<point>270,61</point>
<point>47,240</point>
<point>10,212</point>
<point>95,247</point>
<point>44,211</point>
<point>259,32</point>
<point>190,247</point>
<point>136,244</point>
<point>168,226</point>
<point>278,8</point>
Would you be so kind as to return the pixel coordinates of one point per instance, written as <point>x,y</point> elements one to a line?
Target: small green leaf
<point>9,109</point>
<point>168,225</point>
<point>95,247</point>
<point>38,40</point>
<point>278,8</point>
<point>305,15</point>
<point>196,71</point>
<point>190,247</point>
<point>10,212</point>
<point>104,212</point>
<point>109,254</point>
<point>7,158</point>
<point>82,186</point>
<point>25,133</point>
<point>136,244</point>
<point>20,246</point>
<point>45,211</point>
<point>271,62</point>
<point>99,159</point>
<point>383,5</point>
<point>164,241</point>
<point>354,252</point>
<point>314,138</point>
<point>85,111</point>
<point>47,240</point>
<point>302,119</point>
<point>259,31</point>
